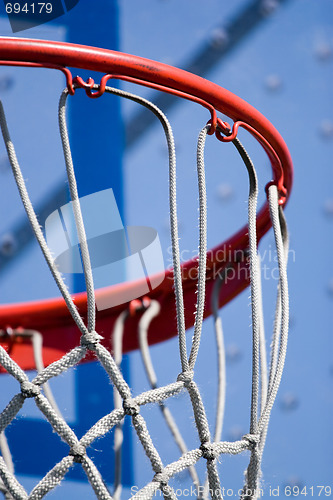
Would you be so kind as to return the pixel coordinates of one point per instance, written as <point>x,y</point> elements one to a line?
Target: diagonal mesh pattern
<point>265,382</point>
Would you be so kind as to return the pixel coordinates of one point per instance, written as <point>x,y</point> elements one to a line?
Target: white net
<point>265,380</point>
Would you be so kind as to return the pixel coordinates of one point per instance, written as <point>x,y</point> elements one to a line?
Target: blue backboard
<point>282,63</point>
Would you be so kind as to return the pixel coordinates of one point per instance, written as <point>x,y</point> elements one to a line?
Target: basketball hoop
<point>74,333</point>
<point>48,315</point>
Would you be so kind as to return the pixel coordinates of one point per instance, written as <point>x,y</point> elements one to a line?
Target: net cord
<point>144,323</point>
<point>91,316</point>
<point>126,405</point>
<point>117,342</point>
<point>34,222</point>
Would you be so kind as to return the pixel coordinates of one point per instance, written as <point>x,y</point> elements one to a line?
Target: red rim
<point>51,316</point>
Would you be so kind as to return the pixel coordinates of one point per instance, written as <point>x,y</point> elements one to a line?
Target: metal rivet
<point>7,245</point>
<point>289,402</point>
<point>330,287</point>
<point>219,38</point>
<point>4,164</point>
<point>224,192</point>
<point>269,6</point>
<point>323,51</point>
<point>273,83</point>
<point>6,83</point>
<point>326,129</point>
<point>233,353</point>
<point>328,207</point>
<point>294,482</point>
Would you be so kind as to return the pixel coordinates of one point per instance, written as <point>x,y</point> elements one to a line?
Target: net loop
<point>79,82</point>
<point>225,133</point>
<point>130,407</point>
<point>208,451</point>
<point>281,190</point>
<point>161,478</point>
<point>100,88</point>
<point>90,84</point>
<point>186,377</point>
<point>216,126</point>
<point>78,452</point>
<point>30,390</point>
<point>91,340</point>
<point>253,440</point>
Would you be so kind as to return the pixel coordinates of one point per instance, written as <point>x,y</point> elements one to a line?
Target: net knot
<point>29,390</point>
<point>130,408</point>
<point>253,439</point>
<point>161,478</point>
<point>207,450</point>
<point>186,377</point>
<point>78,452</point>
<point>90,340</point>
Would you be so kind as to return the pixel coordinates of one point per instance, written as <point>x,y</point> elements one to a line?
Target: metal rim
<point>49,315</point>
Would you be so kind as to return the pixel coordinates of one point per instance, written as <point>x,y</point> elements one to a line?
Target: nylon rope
<point>221,364</point>
<point>255,300</point>
<point>262,342</point>
<point>277,320</point>
<point>35,224</point>
<point>8,460</point>
<point>127,405</point>
<point>221,388</point>
<point>202,247</point>
<point>117,344</point>
<point>144,323</point>
<point>77,213</point>
<point>173,216</point>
